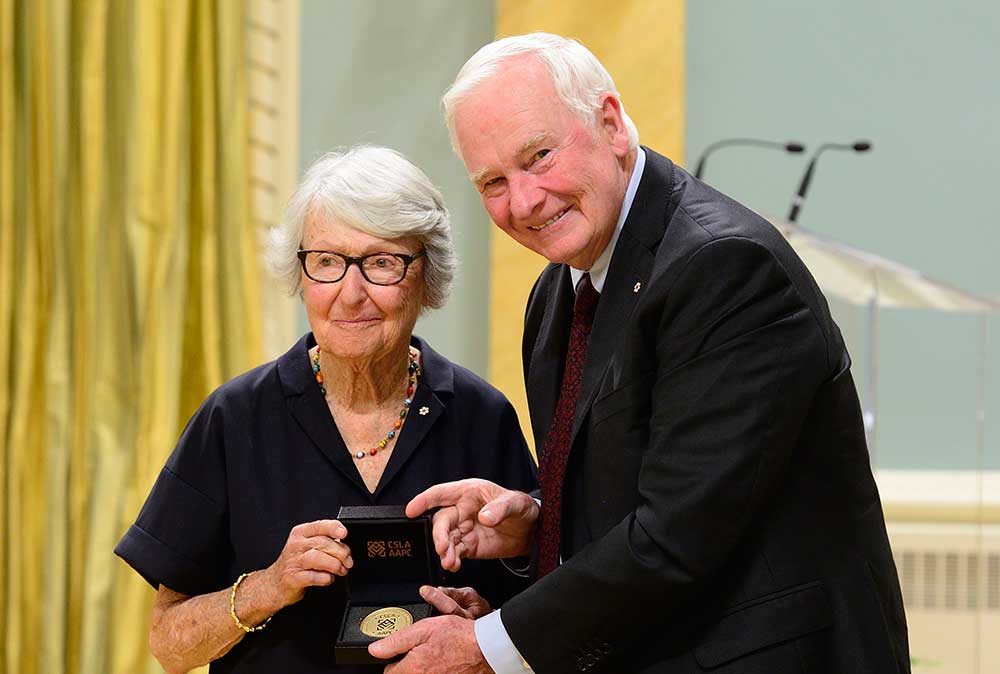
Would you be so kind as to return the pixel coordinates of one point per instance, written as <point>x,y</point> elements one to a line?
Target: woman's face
<point>352,318</point>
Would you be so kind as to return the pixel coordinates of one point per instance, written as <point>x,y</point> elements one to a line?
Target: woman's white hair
<point>377,191</point>
<point>578,76</point>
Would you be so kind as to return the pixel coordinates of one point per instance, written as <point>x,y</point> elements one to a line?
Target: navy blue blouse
<point>263,454</point>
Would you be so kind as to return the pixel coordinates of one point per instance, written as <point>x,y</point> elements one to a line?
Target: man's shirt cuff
<point>499,651</point>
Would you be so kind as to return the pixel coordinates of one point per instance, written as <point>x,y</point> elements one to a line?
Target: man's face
<point>550,181</point>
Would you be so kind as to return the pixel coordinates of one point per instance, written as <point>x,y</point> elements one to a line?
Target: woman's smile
<point>357,322</point>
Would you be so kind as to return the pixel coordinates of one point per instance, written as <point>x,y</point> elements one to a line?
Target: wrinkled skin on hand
<point>313,555</point>
<point>464,602</point>
<point>441,645</point>
<point>477,519</point>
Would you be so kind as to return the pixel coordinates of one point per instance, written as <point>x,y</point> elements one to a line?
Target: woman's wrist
<point>256,599</point>
<point>235,615</point>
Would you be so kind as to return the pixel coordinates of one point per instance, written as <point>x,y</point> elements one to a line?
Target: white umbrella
<point>865,279</point>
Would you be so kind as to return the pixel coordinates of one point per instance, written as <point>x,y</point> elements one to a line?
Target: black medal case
<point>393,556</point>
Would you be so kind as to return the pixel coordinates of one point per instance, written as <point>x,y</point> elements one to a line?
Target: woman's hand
<point>313,555</point>
<point>188,632</point>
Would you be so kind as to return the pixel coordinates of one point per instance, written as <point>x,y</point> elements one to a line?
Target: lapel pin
<point>424,410</point>
<point>636,287</point>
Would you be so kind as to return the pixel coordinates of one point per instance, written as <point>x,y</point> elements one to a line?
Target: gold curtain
<point>129,290</point>
<point>641,43</point>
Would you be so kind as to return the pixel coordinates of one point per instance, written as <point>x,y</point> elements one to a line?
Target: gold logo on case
<point>392,548</point>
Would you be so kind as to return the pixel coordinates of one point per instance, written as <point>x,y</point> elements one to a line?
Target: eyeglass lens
<point>378,268</point>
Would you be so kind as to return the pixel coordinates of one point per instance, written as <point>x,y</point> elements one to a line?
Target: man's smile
<point>554,218</point>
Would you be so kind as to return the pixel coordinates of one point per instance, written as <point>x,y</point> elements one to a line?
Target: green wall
<point>373,72</point>
<point>920,80</point>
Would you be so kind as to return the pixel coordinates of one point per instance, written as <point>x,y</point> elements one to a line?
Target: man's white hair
<point>373,190</point>
<point>578,77</point>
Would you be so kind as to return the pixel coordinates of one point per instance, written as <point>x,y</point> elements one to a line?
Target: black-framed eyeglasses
<point>381,269</point>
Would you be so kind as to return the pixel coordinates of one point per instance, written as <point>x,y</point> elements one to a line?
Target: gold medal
<point>385,621</point>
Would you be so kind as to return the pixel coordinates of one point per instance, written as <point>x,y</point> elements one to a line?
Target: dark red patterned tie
<point>555,448</point>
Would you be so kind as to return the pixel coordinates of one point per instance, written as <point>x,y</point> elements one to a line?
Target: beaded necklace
<point>413,373</point>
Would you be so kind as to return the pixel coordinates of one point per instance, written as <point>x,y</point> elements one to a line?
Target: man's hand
<point>477,520</point>
<point>461,601</point>
<point>442,645</point>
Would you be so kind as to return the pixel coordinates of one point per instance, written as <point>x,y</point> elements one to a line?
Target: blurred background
<point>146,147</point>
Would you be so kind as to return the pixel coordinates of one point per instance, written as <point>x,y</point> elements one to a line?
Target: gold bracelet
<point>232,609</point>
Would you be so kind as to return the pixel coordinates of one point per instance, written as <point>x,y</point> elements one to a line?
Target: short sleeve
<point>179,539</point>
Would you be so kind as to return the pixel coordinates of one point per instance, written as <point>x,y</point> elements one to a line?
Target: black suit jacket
<point>719,513</point>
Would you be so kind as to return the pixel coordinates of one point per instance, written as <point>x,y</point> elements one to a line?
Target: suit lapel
<point>631,264</point>
<point>548,357</point>
<point>628,272</point>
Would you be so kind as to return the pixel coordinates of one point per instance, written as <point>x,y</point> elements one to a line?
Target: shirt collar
<point>599,270</point>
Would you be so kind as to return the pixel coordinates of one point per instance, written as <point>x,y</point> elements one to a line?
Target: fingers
<point>318,546</point>
<point>441,644</point>
<point>444,494</point>
<point>473,604</point>
<point>312,578</point>
<point>440,599</point>
<point>400,642</point>
<point>314,553</point>
<point>468,509</point>
<point>507,504</point>
<point>464,602</point>
<point>335,549</point>
<point>464,596</point>
<point>455,549</point>
<point>330,528</point>
<point>449,532</point>
<point>444,525</point>
<point>444,522</point>
<point>496,511</point>
<point>337,562</point>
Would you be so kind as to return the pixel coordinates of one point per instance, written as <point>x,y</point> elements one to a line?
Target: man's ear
<point>613,123</point>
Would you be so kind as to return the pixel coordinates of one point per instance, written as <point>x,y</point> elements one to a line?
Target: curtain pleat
<point>8,276</point>
<point>129,270</point>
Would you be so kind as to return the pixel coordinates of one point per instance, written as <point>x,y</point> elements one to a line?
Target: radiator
<point>945,538</point>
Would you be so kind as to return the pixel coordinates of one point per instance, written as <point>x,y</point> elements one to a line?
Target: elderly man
<point>706,498</point>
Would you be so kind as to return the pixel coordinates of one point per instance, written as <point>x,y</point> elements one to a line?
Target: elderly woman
<point>238,535</point>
